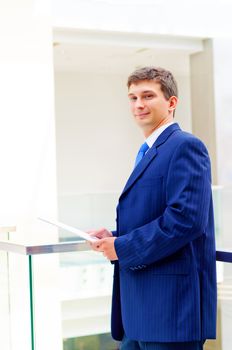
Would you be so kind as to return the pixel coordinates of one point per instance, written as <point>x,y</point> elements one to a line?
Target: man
<point>164,293</point>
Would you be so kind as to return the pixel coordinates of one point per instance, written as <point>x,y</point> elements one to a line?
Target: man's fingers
<point>100,233</point>
<point>92,233</point>
<point>97,246</point>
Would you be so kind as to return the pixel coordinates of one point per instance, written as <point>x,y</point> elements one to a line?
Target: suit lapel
<point>150,155</point>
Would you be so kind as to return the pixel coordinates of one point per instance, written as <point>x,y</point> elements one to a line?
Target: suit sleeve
<point>188,195</point>
<point>114,233</point>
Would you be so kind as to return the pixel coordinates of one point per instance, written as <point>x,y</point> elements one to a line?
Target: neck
<point>148,132</point>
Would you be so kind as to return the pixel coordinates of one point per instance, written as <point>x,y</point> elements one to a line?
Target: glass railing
<point>5,337</point>
<point>58,295</point>
<point>56,301</point>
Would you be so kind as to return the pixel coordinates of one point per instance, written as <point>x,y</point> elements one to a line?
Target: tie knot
<point>144,148</point>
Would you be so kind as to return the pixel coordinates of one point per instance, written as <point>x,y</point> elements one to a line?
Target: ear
<point>173,100</point>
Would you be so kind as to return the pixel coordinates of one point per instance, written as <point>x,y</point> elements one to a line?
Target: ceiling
<point>114,53</point>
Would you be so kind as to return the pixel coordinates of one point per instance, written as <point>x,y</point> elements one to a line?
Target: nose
<point>139,103</point>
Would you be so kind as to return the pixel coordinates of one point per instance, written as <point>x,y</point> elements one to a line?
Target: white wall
<point>93,129</point>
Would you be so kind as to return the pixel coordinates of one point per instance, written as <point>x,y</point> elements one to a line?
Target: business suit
<point>165,277</point>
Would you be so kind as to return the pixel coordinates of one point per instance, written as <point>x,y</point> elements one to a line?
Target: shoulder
<point>187,140</point>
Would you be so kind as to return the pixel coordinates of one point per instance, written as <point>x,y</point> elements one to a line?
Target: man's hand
<point>106,246</point>
<point>101,233</point>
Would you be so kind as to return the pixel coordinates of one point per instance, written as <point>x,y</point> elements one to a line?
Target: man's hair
<point>159,75</point>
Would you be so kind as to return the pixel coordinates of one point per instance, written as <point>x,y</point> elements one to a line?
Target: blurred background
<point>68,142</point>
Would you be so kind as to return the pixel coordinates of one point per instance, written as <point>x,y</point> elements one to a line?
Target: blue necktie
<point>143,149</point>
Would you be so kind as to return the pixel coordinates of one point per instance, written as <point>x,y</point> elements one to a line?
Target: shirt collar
<point>154,136</point>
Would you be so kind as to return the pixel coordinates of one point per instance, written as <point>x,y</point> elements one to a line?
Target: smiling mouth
<point>142,115</point>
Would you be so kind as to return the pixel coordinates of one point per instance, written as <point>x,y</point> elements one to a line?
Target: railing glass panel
<point>15,311</point>
<point>77,300</point>
<point>5,305</point>
<point>4,302</point>
<point>224,312</point>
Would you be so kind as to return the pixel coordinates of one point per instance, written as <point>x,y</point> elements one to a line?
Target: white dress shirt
<point>154,136</point>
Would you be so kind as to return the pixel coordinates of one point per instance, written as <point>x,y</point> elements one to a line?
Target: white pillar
<point>222,57</point>
<point>27,142</point>
<point>203,100</point>
<point>211,77</point>
<point>28,160</point>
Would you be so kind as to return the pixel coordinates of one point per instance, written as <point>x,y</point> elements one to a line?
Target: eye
<point>132,98</point>
<point>148,97</point>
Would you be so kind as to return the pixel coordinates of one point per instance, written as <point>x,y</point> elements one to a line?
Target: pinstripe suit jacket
<point>165,279</point>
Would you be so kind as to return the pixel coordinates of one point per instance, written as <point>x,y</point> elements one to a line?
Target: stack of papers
<point>71,229</point>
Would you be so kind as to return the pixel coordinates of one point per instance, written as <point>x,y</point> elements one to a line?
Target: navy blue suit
<point>165,279</point>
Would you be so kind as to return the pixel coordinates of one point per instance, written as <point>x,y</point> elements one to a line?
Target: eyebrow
<point>143,92</point>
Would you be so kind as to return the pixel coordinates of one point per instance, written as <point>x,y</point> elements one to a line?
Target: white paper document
<point>74,230</point>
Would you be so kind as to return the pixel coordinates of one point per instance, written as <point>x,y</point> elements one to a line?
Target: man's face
<point>149,106</point>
